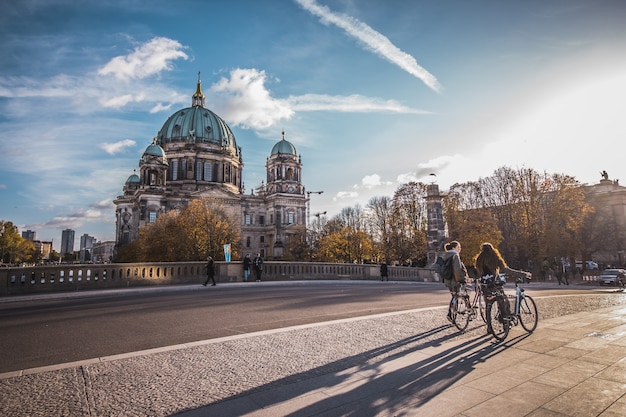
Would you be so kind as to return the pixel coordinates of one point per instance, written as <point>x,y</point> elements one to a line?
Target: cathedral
<point>195,155</point>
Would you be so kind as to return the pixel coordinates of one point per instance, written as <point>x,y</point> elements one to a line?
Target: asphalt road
<point>50,329</point>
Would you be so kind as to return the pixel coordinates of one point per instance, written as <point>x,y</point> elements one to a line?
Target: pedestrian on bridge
<point>210,271</point>
<point>246,266</point>
<point>258,267</point>
<point>384,275</point>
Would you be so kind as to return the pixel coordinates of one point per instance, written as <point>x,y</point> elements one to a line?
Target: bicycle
<point>462,311</point>
<point>500,319</point>
<point>478,303</point>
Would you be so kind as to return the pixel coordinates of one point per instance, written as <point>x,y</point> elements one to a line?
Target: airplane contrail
<point>373,40</point>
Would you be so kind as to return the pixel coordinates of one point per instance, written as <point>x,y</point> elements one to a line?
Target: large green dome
<point>197,124</point>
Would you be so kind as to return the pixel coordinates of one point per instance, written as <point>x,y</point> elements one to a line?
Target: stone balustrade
<point>76,277</point>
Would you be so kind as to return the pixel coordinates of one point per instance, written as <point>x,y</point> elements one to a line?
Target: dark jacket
<point>458,268</point>
<point>210,268</point>
<point>258,263</point>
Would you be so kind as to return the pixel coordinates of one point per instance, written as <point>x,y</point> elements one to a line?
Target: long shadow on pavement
<point>382,389</point>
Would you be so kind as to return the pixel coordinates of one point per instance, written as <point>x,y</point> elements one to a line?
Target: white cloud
<point>342,195</point>
<point>406,178</point>
<point>117,147</point>
<point>71,221</point>
<point>436,165</point>
<point>61,85</point>
<point>160,107</point>
<point>118,101</point>
<point>354,103</point>
<point>371,181</point>
<point>373,40</point>
<point>147,59</point>
<point>105,204</point>
<point>442,169</point>
<point>246,102</point>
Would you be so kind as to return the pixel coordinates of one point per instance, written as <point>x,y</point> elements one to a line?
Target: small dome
<point>152,152</point>
<point>284,146</point>
<point>134,178</point>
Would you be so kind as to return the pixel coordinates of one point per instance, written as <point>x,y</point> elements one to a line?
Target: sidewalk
<point>401,364</point>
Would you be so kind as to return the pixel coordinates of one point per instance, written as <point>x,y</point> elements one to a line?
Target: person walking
<point>559,274</point>
<point>459,272</point>
<point>246,267</point>
<point>258,267</point>
<point>210,271</point>
<point>383,271</point>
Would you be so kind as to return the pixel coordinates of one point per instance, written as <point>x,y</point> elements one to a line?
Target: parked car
<point>609,276</point>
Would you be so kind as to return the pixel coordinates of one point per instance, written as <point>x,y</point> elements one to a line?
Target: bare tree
<point>379,211</point>
<point>409,222</point>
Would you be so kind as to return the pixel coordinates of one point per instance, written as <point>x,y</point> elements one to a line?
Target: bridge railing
<point>76,277</point>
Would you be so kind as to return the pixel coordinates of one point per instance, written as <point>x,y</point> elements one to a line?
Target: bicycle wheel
<point>481,307</point>
<point>528,316</point>
<point>497,322</point>
<point>461,316</point>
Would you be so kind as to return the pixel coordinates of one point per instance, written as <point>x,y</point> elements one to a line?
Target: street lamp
<point>308,205</point>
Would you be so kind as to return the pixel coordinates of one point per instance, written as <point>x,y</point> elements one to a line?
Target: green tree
<point>345,245</point>
<point>14,249</point>
<point>190,234</point>
<point>565,214</point>
<point>469,224</point>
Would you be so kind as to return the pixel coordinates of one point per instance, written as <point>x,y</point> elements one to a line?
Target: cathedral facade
<point>195,156</point>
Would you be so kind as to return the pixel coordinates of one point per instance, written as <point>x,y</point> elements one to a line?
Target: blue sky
<point>372,94</point>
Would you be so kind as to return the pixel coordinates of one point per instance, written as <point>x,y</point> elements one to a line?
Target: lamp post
<point>312,236</point>
<point>308,205</point>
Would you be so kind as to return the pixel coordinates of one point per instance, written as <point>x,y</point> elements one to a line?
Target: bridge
<point>77,277</point>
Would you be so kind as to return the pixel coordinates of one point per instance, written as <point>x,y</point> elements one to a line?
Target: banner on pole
<point>227,252</point>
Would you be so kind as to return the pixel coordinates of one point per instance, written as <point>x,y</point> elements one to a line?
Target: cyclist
<point>489,262</point>
<point>459,272</point>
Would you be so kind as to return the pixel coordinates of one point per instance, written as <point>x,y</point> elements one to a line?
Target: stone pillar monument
<point>436,233</point>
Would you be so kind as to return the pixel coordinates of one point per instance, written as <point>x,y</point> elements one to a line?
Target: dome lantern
<point>197,100</point>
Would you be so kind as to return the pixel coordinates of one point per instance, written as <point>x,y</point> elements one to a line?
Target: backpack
<point>444,268</point>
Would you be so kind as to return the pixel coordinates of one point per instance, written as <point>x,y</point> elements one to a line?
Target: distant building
<point>86,246</point>
<point>29,234</point>
<point>102,252</point>
<point>609,200</point>
<point>45,248</point>
<point>67,241</point>
<point>195,156</point>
